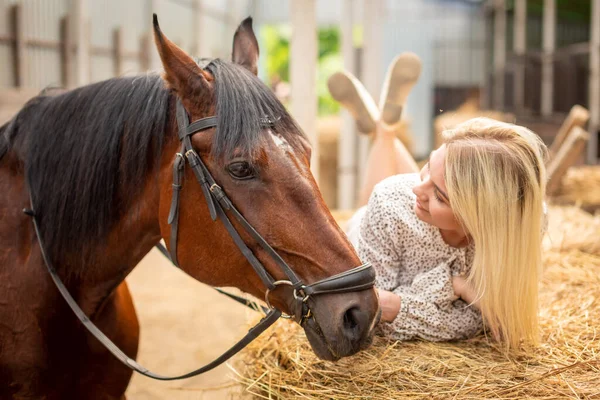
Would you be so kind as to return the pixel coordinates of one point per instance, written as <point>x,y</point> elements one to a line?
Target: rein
<point>356,279</point>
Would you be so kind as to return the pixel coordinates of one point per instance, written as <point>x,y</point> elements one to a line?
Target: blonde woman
<point>456,245</point>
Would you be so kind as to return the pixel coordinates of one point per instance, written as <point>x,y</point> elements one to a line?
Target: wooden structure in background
<point>576,118</point>
<point>569,152</point>
<point>303,72</point>
<point>348,139</point>
<point>540,85</point>
<point>39,54</point>
<point>73,49</point>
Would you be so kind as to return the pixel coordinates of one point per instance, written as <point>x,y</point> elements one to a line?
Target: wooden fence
<point>67,49</point>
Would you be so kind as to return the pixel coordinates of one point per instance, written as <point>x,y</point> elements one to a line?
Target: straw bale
<point>580,186</point>
<point>281,365</point>
<point>571,228</point>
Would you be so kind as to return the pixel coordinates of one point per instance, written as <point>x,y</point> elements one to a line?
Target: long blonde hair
<point>496,182</point>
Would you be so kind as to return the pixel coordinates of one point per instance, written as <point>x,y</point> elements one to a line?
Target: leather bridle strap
<point>186,130</point>
<point>242,300</point>
<point>173,218</point>
<point>268,320</point>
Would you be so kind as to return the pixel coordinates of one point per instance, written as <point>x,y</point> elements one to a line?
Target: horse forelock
<point>243,104</point>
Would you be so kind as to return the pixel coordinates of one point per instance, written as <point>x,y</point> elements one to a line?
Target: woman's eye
<point>241,170</point>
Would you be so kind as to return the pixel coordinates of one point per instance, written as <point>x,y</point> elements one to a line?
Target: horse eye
<point>241,170</point>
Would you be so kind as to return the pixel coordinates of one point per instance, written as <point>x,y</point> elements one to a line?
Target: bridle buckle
<point>299,294</point>
<point>268,291</point>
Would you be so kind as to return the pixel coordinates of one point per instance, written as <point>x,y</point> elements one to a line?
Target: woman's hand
<point>390,305</point>
<point>465,291</point>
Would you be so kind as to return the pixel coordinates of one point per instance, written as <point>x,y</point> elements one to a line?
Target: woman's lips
<point>421,207</point>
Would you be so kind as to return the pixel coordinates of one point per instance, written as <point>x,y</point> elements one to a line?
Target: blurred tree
<point>276,39</point>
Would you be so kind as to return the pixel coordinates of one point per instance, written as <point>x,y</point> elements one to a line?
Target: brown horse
<point>97,162</point>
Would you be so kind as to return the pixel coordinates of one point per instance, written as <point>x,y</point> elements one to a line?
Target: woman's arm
<point>390,305</point>
<point>465,291</point>
<point>428,308</point>
<point>390,302</point>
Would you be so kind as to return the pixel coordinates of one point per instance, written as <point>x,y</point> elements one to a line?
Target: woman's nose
<point>418,191</point>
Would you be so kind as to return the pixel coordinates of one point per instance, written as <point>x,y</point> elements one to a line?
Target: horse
<point>95,164</point>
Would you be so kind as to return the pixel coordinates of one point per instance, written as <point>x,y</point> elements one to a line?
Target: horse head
<point>260,159</point>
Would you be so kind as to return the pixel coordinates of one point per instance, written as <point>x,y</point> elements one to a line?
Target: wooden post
<point>303,72</point>
<point>346,173</point>
<point>197,28</point>
<point>578,116</point>
<point>567,156</point>
<point>486,100</point>
<point>66,53</point>
<point>117,50</point>
<point>519,47</point>
<point>499,52</point>
<point>370,75</point>
<point>145,48</point>
<point>548,46</point>
<point>80,25</point>
<point>18,34</point>
<point>594,83</point>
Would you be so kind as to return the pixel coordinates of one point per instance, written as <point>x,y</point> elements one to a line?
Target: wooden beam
<point>303,72</point>
<point>66,53</point>
<point>594,83</point>
<point>499,52</point>
<point>548,47</point>
<point>371,68</point>
<point>578,116</point>
<point>117,51</point>
<point>144,53</point>
<point>347,142</point>
<point>17,20</point>
<point>197,26</point>
<point>80,29</point>
<point>519,47</point>
<point>568,154</point>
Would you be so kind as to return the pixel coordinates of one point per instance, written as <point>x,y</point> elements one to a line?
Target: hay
<point>580,186</point>
<point>281,365</point>
<point>571,228</point>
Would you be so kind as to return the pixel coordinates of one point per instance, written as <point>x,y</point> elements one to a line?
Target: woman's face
<point>433,205</point>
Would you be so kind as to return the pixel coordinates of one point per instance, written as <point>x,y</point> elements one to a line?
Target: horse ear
<point>181,72</point>
<point>245,47</point>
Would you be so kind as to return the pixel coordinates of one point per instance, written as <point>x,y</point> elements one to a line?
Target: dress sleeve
<point>430,310</point>
<point>379,241</point>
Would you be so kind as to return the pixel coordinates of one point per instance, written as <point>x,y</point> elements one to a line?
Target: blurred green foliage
<point>275,42</point>
<point>566,10</point>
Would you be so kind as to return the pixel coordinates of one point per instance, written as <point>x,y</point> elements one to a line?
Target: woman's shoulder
<point>392,199</point>
<point>397,188</point>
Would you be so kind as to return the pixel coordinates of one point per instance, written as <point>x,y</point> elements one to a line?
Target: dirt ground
<point>184,324</point>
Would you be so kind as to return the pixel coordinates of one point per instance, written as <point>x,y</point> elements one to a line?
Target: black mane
<point>88,152</point>
<point>242,101</point>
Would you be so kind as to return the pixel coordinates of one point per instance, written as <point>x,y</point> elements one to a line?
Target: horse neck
<point>133,236</point>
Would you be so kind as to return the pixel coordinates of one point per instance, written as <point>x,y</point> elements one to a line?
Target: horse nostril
<point>350,321</point>
<point>354,323</point>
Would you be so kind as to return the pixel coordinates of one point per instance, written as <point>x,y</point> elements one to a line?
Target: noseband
<point>356,279</point>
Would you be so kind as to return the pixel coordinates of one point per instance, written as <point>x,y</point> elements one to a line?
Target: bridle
<point>356,279</point>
